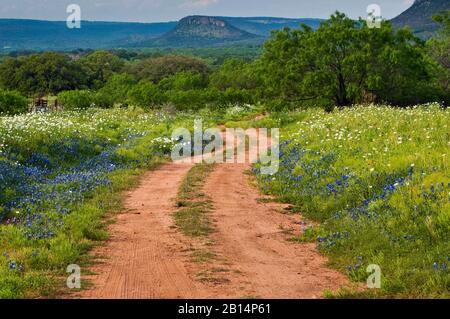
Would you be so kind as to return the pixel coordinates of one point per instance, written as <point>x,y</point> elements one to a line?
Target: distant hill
<point>16,34</point>
<point>419,17</point>
<point>200,31</point>
<point>263,26</point>
<point>49,35</point>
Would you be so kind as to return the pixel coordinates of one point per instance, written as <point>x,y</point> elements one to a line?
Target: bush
<point>184,81</point>
<point>115,91</point>
<point>236,96</point>
<point>156,69</point>
<point>183,100</point>
<point>12,102</point>
<point>78,99</point>
<point>146,95</point>
<point>276,105</point>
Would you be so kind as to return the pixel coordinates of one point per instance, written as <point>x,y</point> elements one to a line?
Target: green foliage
<point>439,53</point>
<point>45,73</point>
<point>236,74</point>
<point>12,102</point>
<point>115,91</point>
<point>213,56</point>
<point>184,81</point>
<point>99,66</point>
<point>156,69</point>
<point>146,94</point>
<point>77,99</point>
<point>344,63</point>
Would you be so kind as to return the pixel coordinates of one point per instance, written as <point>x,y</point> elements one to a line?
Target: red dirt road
<point>251,237</point>
<point>148,258</point>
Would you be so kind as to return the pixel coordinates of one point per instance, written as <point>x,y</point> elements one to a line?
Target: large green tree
<point>46,73</point>
<point>99,66</point>
<point>345,62</point>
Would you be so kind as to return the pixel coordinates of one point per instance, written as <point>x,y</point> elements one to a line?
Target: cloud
<point>198,3</point>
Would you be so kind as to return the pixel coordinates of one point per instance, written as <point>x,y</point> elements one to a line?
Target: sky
<point>172,10</point>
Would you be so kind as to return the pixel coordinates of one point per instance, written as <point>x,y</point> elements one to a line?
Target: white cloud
<point>198,3</point>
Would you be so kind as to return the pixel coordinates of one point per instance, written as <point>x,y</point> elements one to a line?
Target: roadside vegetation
<point>377,179</point>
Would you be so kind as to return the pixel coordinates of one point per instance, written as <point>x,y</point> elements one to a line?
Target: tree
<point>288,64</point>
<point>236,74</point>
<point>439,52</point>
<point>146,94</point>
<point>115,91</point>
<point>156,69</point>
<point>345,62</point>
<point>46,73</point>
<point>99,67</point>
<point>396,67</point>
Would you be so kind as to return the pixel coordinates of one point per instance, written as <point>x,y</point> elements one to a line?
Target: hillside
<point>50,35</point>
<point>18,34</point>
<point>200,31</point>
<point>263,26</point>
<point>419,17</point>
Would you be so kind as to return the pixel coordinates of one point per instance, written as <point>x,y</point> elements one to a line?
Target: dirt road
<point>148,258</point>
<point>252,237</point>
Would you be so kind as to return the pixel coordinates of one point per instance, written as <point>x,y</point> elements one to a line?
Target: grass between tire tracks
<point>194,205</point>
<point>192,218</point>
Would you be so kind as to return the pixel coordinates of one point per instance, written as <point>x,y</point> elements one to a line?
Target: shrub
<point>276,105</point>
<point>184,81</point>
<point>146,95</point>
<point>156,69</point>
<point>115,91</point>
<point>235,96</point>
<point>78,99</point>
<point>12,102</point>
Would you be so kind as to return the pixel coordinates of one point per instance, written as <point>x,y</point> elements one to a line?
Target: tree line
<point>343,62</point>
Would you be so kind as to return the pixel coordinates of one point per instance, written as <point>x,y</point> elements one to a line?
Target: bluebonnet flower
<point>12,264</point>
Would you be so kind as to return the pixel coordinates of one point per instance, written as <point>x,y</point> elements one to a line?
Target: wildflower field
<point>378,181</point>
<point>59,173</point>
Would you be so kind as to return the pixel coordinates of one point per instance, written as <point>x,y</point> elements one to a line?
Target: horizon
<point>139,11</point>
<point>168,21</point>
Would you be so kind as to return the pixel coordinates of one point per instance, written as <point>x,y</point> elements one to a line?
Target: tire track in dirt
<point>250,236</point>
<point>146,257</point>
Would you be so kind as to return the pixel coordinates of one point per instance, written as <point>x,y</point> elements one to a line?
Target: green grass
<point>193,205</point>
<point>192,218</point>
<point>202,256</point>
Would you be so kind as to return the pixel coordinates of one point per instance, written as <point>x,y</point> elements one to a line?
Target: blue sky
<point>169,10</point>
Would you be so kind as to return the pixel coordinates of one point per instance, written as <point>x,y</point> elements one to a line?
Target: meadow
<point>372,183</point>
<point>59,174</point>
<point>378,180</point>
